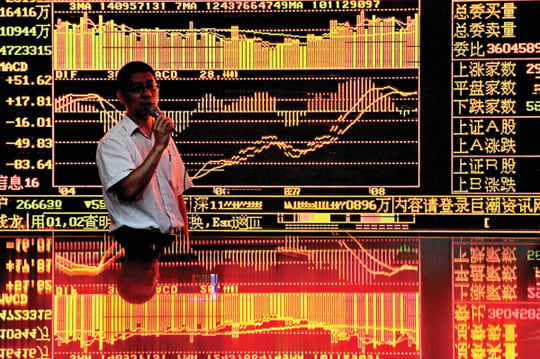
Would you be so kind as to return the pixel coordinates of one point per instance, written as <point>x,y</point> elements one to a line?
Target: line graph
<point>291,151</point>
<point>317,293</point>
<point>261,98</point>
<point>354,260</point>
<point>307,123</point>
<point>385,270</point>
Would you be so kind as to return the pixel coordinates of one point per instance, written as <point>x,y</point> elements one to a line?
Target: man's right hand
<point>163,127</point>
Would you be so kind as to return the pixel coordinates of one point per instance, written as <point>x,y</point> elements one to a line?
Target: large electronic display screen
<point>366,180</point>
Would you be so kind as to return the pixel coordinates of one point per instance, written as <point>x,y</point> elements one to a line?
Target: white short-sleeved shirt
<point>122,150</point>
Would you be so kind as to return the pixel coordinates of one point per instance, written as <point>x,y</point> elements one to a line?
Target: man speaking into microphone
<point>140,168</point>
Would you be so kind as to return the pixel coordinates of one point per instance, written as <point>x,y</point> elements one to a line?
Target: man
<point>142,173</point>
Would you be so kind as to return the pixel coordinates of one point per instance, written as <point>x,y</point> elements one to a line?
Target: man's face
<point>140,95</point>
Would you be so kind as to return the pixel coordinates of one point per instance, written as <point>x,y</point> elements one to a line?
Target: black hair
<point>123,79</point>
<point>137,280</point>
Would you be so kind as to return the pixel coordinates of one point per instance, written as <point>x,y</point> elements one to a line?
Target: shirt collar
<point>130,126</point>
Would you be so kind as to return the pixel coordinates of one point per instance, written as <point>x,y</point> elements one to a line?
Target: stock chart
<point>365,179</point>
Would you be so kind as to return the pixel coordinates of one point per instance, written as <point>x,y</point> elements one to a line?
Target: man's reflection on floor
<point>134,262</point>
<point>139,273</point>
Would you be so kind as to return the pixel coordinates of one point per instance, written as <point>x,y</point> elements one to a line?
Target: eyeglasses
<point>139,89</point>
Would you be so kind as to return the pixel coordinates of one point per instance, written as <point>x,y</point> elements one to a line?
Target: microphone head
<point>154,112</point>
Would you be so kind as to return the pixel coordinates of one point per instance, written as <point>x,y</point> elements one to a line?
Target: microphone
<point>154,112</point>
